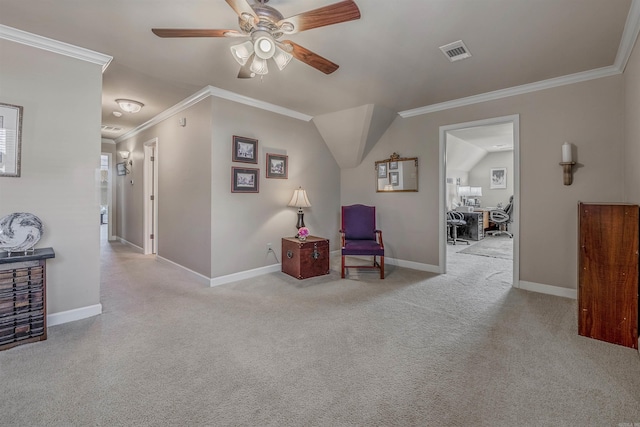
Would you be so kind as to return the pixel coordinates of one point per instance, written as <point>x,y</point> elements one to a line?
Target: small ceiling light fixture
<point>129,105</point>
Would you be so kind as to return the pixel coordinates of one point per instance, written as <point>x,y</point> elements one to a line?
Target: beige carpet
<point>500,246</point>
<point>415,349</point>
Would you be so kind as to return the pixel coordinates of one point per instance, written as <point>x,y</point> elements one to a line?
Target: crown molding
<point>513,91</point>
<point>627,41</point>
<point>629,36</point>
<point>232,96</point>
<point>204,93</point>
<point>44,43</point>
<point>180,106</point>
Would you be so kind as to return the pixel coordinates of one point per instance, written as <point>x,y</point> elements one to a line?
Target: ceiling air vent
<point>455,51</point>
<point>111,129</point>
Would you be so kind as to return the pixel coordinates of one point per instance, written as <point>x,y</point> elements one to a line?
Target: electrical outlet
<point>269,248</point>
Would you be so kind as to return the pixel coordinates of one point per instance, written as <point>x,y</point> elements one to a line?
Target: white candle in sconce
<point>566,153</point>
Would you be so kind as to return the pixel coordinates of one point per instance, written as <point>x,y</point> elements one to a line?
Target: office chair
<point>502,217</point>
<point>455,219</point>
<point>360,236</point>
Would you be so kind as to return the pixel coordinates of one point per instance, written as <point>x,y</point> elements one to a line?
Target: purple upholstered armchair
<point>360,237</point>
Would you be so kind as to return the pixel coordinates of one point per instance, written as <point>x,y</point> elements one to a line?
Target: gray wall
<point>632,127</point>
<point>202,225</point>
<point>588,114</point>
<point>244,223</point>
<point>184,188</point>
<point>60,180</point>
<point>479,176</point>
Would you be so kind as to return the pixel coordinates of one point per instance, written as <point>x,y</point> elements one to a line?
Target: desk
<point>477,221</point>
<point>485,217</point>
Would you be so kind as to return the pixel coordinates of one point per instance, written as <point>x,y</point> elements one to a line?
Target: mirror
<point>397,174</point>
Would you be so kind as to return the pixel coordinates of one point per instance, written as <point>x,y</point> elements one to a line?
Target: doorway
<point>106,196</point>
<point>448,195</point>
<point>150,196</point>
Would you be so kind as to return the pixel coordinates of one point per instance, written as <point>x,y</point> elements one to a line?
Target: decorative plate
<point>19,232</point>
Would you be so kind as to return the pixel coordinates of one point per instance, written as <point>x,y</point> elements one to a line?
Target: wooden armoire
<point>608,272</point>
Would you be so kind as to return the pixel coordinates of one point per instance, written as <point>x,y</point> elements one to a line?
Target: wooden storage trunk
<point>305,259</point>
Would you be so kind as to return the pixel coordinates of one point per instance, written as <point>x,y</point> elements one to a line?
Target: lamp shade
<point>281,58</point>
<point>464,190</point>
<point>476,191</point>
<point>300,199</point>
<point>242,52</point>
<point>124,154</point>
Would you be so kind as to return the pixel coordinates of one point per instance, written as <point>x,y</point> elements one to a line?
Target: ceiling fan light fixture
<point>242,52</point>
<point>259,66</point>
<point>281,58</point>
<point>263,45</point>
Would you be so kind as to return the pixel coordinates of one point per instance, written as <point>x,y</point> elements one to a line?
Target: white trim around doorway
<point>515,225</point>
<point>150,186</point>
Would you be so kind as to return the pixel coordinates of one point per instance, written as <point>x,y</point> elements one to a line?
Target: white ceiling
<point>490,138</point>
<point>390,57</point>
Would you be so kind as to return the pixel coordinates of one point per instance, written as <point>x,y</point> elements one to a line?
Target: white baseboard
<point>200,278</point>
<point>548,289</point>
<point>221,280</point>
<point>412,265</point>
<point>128,243</point>
<point>72,315</point>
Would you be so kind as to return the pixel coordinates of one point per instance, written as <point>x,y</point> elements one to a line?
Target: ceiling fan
<point>265,26</point>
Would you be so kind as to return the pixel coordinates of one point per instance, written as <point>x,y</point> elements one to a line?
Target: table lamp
<point>300,200</point>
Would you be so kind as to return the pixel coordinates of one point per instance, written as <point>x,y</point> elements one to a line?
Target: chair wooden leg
<point>382,267</point>
<point>343,266</point>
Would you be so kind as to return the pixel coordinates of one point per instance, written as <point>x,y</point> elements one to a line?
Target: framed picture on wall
<point>382,170</point>
<point>245,180</point>
<point>498,178</point>
<point>394,178</point>
<point>245,150</point>
<point>10,139</point>
<point>121,169</point>
<point>277,166</point>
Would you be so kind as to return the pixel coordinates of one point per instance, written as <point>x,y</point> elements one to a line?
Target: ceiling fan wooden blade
<point>328,15</point>
<point>312,59</point>
<point>180,32</point>
<point>243,9</point>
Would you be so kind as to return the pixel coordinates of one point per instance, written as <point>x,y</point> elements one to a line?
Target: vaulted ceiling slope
<point>389,58</point>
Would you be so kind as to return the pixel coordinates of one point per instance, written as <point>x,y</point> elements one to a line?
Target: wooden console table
<point>23,301</point>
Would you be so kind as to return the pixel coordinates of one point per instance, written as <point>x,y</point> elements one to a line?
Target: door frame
<point>515,225</point>
<point>110,195</point>
<point>150,186</point>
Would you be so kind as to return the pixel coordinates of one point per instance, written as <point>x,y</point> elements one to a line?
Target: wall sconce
<point>125,156</point>
<point>300,200</point>
<point>567,163</point>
